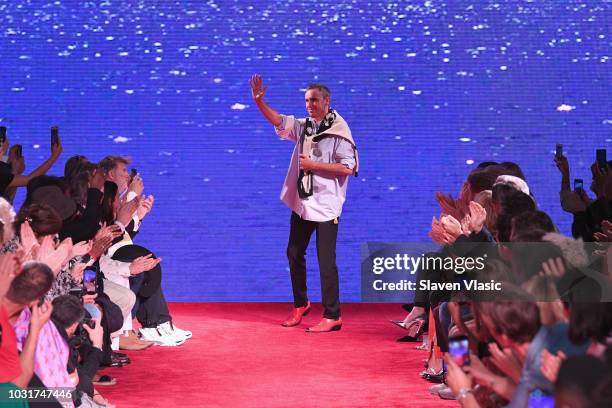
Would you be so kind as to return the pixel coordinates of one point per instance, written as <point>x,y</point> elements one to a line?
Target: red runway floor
<point>240,356</point>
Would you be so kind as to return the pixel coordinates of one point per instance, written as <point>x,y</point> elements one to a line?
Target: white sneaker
<point>159,337</point>
<point>185,333</point>
<point>168,330</point>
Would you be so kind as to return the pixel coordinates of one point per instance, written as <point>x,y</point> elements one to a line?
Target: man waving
<point>324,157</point>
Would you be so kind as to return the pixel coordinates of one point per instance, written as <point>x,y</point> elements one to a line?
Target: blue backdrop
<point>429,88</point>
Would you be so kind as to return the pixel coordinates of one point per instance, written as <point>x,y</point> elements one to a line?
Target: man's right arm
<point>270,114</point>
<point>258,91</point>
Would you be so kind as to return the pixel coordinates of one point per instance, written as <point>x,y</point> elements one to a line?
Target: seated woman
<point>136,267</point>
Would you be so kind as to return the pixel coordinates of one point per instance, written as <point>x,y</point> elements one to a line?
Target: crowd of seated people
<point>545,339</point>
<point>72,278</point>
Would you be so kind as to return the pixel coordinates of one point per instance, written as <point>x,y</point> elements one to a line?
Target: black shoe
<point>112,364</point>
<point>120,357</point>
<point>435,378</point>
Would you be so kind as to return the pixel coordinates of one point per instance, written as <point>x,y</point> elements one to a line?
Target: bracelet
<point>463,392</point>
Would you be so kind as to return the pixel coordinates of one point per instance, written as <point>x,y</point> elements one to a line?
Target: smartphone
<point>2,134</point>
<point>559,151</point>
<point>77,292</point>
<point>602,161</point>
<point>459,350</point>
<point>54,136</point>
<point>90,281</point>
<point>578,184</point>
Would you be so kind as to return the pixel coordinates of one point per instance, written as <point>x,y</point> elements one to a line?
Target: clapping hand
<point>103,239</point>
<point>452,227</point>
<point>437,232</point>
<point>258,91</point>
<point>81,248</point>
<point>478,216</point>
<point>445,231</point>
<point>55,258</point>
<point>143,264</point>
<point>145,207</point>
<point>29,243</point>
<point>127,210</point>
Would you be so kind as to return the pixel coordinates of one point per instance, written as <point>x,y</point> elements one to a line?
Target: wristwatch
<point>463,392</point>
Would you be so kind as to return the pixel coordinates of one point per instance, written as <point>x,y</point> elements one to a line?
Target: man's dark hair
<point>513,169</point>
<point>518,318</point>
<point>484,164</point>
<point>323,88</point>
<point>501,191</point>
<point>532,220</point>
<point>590,320</point>
<point>67,310</point>
<point>514,202</point>
<point>32,283</point>
<point>588,376</point>
<point>517,202</point>
<point>483,178</point>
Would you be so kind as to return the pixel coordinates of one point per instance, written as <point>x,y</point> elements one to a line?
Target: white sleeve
<point>290,128</point>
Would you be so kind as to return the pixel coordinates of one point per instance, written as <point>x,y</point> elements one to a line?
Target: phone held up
<point>90,281</point>
<point>559,151</point>
<point>459,350</point>
<point>578,184</point>
<point>54,136</point>
<point>602,161</point>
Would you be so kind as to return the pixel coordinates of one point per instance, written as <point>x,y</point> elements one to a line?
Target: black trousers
<point>299,237</point>
<point>150,311</point>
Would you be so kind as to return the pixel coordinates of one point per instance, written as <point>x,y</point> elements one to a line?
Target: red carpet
<point>240,356</point>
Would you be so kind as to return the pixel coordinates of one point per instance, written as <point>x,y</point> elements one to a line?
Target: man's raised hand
<point>257,89</point>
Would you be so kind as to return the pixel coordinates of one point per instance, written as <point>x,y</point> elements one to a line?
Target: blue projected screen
<point>429,89</point>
